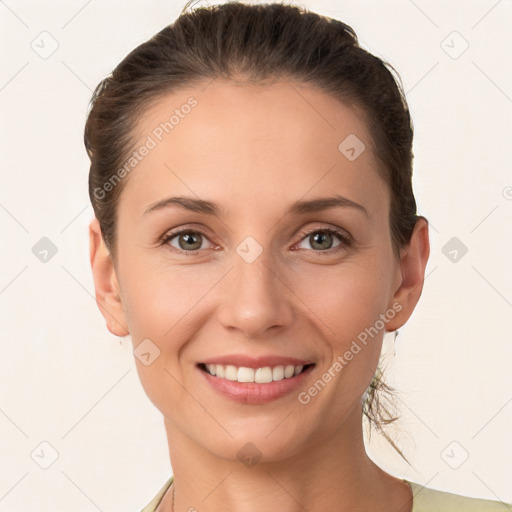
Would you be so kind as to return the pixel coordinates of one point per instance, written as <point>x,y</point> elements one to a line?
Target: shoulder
<point>153,504</point>
<point>431,500</point>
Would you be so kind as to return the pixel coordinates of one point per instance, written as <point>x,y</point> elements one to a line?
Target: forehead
<point>276,142</point>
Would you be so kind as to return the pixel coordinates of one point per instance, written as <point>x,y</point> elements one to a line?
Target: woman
<point>255,234</point>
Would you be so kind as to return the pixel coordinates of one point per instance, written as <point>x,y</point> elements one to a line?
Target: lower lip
<point>252,392</point>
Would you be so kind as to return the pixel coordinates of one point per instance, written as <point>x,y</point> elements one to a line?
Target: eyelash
<point>343,237</point>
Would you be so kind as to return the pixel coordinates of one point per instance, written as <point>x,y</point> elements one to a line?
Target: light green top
<point>424,500</point>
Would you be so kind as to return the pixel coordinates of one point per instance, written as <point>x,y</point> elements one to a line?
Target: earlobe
<point>106,286</point>
<point>413,261</point>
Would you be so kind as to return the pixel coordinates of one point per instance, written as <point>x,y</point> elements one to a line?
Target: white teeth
<point>259,375</point>
<point>219,370</point>
<point>231,372</point>
<point>262,375</point>
<point>245,375</point>
<point>278,373</point>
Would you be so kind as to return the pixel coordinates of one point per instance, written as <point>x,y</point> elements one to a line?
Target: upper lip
<point>241,360</point>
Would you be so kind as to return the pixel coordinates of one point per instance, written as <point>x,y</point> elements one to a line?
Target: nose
<point>255,297</point>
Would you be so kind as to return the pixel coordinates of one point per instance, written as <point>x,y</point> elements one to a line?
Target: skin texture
<point>255,151</point>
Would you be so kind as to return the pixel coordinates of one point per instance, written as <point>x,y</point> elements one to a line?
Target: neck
<point>333,473</point>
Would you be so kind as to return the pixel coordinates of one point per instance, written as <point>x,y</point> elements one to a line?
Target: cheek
<point>346,299</point>
<point>346,305</point>
<point>166,305</point>
<point>333,304</point>
<point>161,300</point>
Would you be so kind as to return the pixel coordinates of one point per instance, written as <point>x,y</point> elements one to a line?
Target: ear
<point>107,291</point>
<point>413,261</point>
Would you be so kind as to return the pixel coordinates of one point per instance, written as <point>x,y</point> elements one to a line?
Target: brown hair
<point>258,44</point>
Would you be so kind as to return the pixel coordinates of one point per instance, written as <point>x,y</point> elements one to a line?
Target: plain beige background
<point>70,397</point>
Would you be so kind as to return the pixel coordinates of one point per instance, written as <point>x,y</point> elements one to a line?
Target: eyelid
<point>169,235</point>
<point>344,237</point>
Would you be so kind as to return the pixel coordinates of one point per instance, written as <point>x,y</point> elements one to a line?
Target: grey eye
<point>321,240</point>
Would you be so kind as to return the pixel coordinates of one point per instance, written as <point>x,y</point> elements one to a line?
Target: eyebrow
<point>297,208</point>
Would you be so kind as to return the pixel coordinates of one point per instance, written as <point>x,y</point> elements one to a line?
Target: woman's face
<point>249,279</point>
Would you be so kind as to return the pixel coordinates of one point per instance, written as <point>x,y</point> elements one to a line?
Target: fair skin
<point>255,151</point>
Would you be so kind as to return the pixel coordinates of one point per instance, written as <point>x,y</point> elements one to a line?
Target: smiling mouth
<point>263,375</point>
